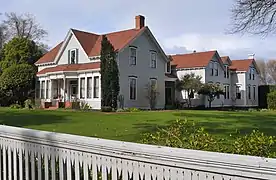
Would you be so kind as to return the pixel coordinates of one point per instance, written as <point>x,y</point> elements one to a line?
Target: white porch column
<point>64,88</point>
<point>79,88</point>
<point>45,86</point>
<point>85,84</point>
<point>40,85</point>
<point>50,89</point>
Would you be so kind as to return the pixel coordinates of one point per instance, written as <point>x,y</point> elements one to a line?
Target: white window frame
<point>129,86</point>
<point>130,56</point>
<point>89,88</point>
<point>238,90</point>
<point>94,88</point>
<point>70,54</point>
<point>82,88</point>
<point>226,91</point>
<point>155,80</point>
<point>152,60</point>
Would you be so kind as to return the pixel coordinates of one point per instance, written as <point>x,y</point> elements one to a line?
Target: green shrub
<point>106,109</point>
<point>133,109</point>
<point>271,100</point>
<point>28,103</point>
<point>188,135</point>
<point>256,144</point>
<point>85,106</point>
<point>15,106</point>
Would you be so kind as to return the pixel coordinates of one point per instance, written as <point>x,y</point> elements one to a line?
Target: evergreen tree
<point>109,75</point>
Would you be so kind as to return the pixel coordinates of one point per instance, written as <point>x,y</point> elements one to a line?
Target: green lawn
<point>130,126</point>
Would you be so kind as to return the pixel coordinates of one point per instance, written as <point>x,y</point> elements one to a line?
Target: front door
<point>168,96</point>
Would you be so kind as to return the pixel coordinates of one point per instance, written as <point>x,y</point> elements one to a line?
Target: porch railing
<point>31,154</point>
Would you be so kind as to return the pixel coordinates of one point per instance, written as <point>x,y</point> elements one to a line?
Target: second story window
<point>73,56</point>
<point>238,92</point>
<point>226,72</point>
<point>132,56</point>
<point>168,67</point>
<point>212,68</point>
<point>153,62</point>
<point>216,69</point>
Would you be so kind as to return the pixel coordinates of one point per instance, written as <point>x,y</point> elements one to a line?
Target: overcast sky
<point>180,26</point>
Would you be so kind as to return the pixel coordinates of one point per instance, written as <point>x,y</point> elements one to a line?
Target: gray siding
<point>143,71</point>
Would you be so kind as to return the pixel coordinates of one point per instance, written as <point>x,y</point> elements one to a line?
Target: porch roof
<point>70,68</point>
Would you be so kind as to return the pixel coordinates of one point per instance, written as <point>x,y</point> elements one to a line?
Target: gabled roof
<point>192,60</point>
<point>70,67</point>
<point>241,65</point>
<point>91,43</point>
<point>226,60</point>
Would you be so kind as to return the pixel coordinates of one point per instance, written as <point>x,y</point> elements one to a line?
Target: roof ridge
<point>82,31</point>
<point>192,53</point>
<point>122,31</point>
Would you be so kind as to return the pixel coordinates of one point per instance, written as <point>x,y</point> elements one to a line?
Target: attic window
<point>73,56</point>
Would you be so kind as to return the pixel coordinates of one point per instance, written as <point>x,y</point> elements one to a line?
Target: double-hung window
<point>238,92</point>
<point>96,89</point>
<point>82,88</point>
<point>153,61</point>
<point>249,92</point>
<point>132,56</point>
<point>216,69</point>
<point>168,67</point>
<point>89,87</point>
<point>132,88</point>
<point>254,92</point>
<point>73,56</point>
<point>211,65</point>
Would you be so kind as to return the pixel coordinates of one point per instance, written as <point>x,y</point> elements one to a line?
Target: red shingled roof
<point>241,65</point>
<point>224,59</point>
<point>49,56</point>
<point>197,59</point>
<point>91,43</point>
<point>70,67</point>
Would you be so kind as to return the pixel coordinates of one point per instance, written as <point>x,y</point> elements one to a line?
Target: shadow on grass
<point>23,118</point>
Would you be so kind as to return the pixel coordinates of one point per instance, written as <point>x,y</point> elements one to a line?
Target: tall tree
<point>109,75</point>
<point>17,82</point>
<point>264,76</point>
<point>271,69</point>
<point>254,16</point>
<point>24,26</point>
<point>190,83</point>
<point>20,51</point>
<point>211,91</point>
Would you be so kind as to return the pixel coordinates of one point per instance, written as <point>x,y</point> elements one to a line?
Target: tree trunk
<point>210,104</point>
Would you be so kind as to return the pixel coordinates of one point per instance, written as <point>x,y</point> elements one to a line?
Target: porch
<point>62,90</point>
<point>36,155</point>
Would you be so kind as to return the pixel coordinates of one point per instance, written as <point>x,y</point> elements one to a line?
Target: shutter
<point>77,56</point>
<point>69,57</point>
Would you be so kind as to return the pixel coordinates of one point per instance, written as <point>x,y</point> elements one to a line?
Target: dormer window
<point>73,56</point>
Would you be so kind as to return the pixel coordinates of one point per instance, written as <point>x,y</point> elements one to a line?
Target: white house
<point>238,78</point>
<point>71,70</point>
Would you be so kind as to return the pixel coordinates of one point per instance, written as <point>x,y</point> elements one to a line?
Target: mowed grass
<point>130,126</point>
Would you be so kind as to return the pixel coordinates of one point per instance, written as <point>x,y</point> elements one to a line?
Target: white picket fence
<point>38,155</point>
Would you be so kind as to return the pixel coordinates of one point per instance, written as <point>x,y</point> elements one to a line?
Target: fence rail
<point>38,155</point>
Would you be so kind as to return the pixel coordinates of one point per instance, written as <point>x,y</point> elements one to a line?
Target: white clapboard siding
<point>30,155</point>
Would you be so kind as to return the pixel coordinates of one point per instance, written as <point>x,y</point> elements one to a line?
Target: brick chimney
<point>139,22</point>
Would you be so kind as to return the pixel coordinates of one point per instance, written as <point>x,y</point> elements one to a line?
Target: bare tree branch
<point>254,17</point>
<point>271,69</point>
<point>264,76</point>
<point>23,25</point>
